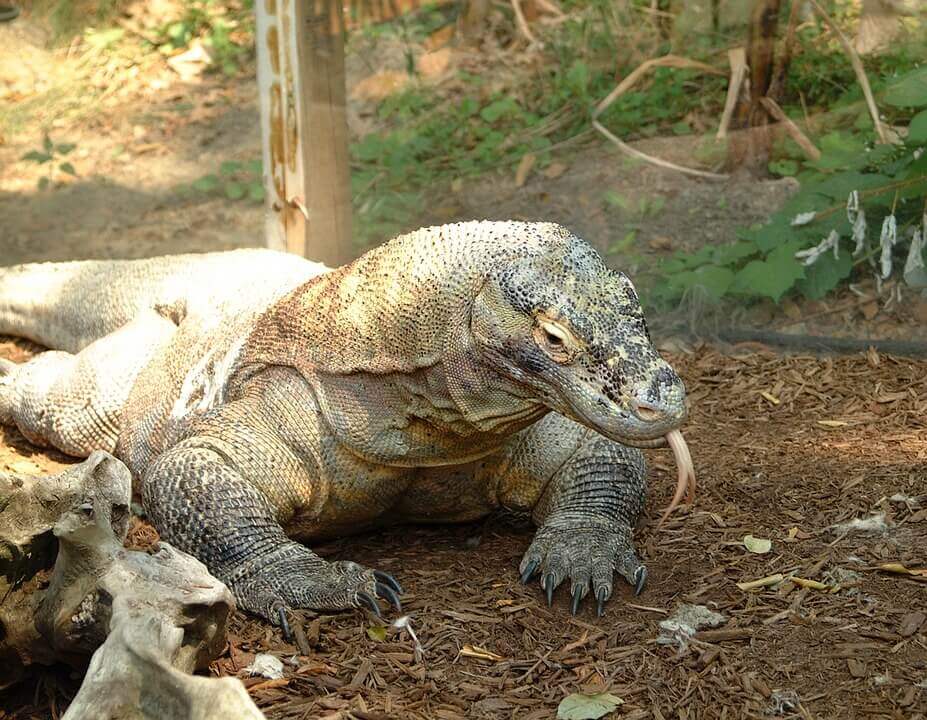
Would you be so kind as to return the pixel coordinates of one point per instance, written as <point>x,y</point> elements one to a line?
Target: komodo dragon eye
<point>556,339</point>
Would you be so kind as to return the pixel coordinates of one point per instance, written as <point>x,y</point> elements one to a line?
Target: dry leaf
<point>869,309</point>
<point>760,546</point>
<point>475,651</point>
<point>555,170</point>
<point>435,63</point>
<point>380,85</point>
<point>833,423</point>
<point>587,707</point>
<point>524,167</point>
<point>900,569</point>
<point>769,396</point>
<point>377,633</point>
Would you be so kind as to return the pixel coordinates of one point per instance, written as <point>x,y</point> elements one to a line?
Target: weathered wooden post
<point>300,58</point>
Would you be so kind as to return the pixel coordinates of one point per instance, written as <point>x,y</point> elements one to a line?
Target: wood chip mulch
<point>786,449</point>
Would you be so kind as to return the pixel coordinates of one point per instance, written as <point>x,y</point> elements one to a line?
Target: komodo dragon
<point>260,399</point>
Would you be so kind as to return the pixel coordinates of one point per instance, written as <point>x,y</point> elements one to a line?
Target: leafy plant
<point>860,205</point>
<point>226,29</point>
<point>236,180</point>
<point>51,156</point>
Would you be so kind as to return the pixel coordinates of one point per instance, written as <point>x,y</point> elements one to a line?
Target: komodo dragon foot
<point>588,556</point>
<point>292,576</point>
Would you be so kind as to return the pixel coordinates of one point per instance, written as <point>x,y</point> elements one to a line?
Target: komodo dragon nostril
<point>646,412</point>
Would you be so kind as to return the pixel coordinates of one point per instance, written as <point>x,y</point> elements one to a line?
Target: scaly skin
<point>262,402</point>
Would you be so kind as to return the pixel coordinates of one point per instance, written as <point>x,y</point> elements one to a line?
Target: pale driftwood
<point>857,68</point>
<point>738,59</point>
<point>629,82</point>
<point>802,140</point>
<point>149,619</point>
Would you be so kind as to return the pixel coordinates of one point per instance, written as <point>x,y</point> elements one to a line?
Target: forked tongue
<point>685,483</point>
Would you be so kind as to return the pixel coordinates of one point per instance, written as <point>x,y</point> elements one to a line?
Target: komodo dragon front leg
<point>585,492</point>
<point>255,471</point>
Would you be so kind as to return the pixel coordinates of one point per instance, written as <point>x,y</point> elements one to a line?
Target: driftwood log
<point>147,618</point>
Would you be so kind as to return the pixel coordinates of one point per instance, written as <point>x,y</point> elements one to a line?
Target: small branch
<point>857,68</point>
<point>549,6</point>
<point>738,59</point>
<point>522,23</point>
<point>776,112</point>
<point>627,84</point>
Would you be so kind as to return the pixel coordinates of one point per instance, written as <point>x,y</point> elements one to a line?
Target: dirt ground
<point>786,448</point>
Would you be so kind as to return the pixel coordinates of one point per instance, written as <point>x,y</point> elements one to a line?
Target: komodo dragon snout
<point>572,332</point>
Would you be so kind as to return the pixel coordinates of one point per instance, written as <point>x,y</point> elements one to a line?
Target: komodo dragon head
<point>572,331</point>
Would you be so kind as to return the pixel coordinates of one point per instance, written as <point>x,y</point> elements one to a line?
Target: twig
<point>776,112</point>
<point>549,6</point>
<point>522,23</point>
<point>629,82</point>
<point>738,59</point>
<point>857,68</point>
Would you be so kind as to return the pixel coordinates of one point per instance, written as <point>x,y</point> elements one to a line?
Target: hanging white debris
<point>859,233</point>
<point>887,240</point>
<point>803,218</point>
<point>915,274</point>
<point>853,206</point>
<point>811,255</point>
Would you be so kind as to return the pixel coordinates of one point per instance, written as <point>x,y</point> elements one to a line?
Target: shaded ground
<point>836,439</point>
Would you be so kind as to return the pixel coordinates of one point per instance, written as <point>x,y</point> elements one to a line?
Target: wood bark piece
<point>148,618</point>
<point>738,60</point>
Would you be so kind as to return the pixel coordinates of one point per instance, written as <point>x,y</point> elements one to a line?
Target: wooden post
<point>300,57</point>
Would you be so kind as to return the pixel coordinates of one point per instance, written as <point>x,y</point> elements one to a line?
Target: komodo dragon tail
<point>68,305</point>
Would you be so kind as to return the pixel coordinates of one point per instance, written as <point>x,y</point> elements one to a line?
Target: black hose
<point>8,13</point>
<point>820,343</point>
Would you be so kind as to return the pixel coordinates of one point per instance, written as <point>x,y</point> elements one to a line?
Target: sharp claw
<point>600,601</point>
<point>548,585</point>
<point>388,579</point>
<point>387,593</point>
<point>369,602</point>
<point>577,598</point>
<point>529,571</point>
<point>640,577</point>
<point>284,623</point>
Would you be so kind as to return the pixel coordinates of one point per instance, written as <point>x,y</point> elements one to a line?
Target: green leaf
<point>910,90</point>
<point>498,109</point>
<point>256,192</point>
<point>48,145</point>
<point>714,280</point>
<point>65,148</point>
<point>255,166</point>
<point>730,254</point>
<point>587,707</point>
<point>67,168</point>
<point>824,275</point>
<point>234,190</point>
<point>377,633</point>
<point>229,167</point>
<point>43,183</point>
<point>37,157</point>
<point>207,183</point>
<point>772,277</point>
<point>785,168</point>
<point>917,130</point>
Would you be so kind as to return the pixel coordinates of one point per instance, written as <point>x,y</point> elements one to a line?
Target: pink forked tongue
<point>685,483</point>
